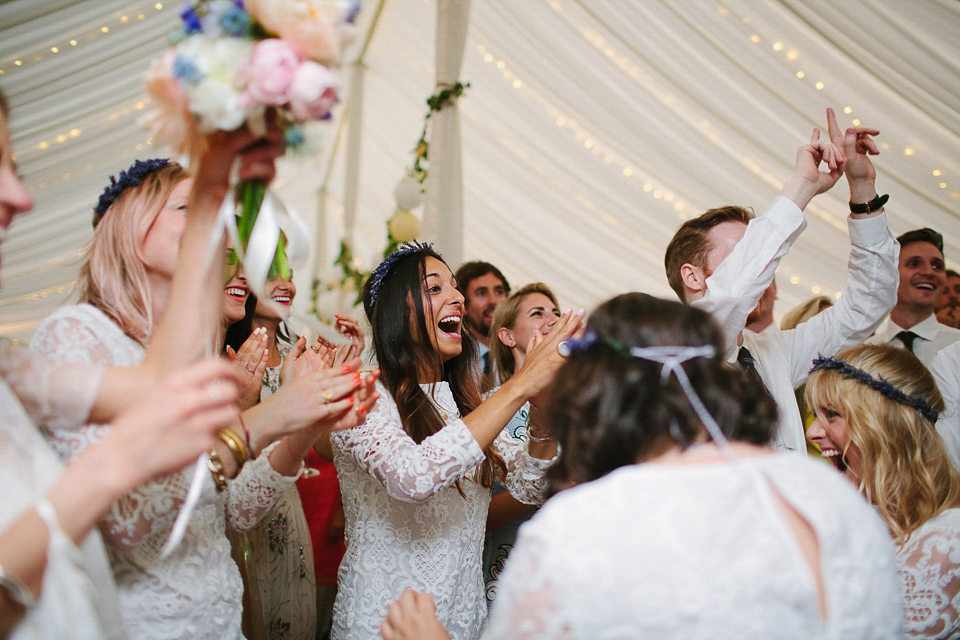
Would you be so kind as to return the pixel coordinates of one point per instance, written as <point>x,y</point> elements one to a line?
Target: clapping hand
<point>249,364</point>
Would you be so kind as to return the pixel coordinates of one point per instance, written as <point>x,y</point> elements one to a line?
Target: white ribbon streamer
<point>186,509</point>
<point>256,261</point>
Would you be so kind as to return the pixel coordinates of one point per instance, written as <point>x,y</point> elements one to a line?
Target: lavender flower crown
<point>132,177</point>
<point>378,275</point>
<point>918,403</point>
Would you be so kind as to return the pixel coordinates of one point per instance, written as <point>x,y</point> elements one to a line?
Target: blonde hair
<point>113,277</point>
<point>906,472</point>
<point>804,311</point>
<point>505,315</point>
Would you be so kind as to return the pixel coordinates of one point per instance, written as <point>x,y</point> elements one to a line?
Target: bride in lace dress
<point>416,477</point>
<point>880,433</point>
<point>669,533</point>
<point>196,591</point>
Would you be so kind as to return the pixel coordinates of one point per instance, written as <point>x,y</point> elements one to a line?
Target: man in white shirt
<point>723,261</point>
<point>912,323</point>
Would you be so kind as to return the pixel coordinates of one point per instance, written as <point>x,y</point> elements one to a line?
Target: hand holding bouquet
<point>239,62</point>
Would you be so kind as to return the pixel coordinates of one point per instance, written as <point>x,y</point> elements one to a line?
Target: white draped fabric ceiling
<point>591,129</point>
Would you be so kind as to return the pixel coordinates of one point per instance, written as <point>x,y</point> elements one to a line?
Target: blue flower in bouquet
<point>294,136</point>
<point>186,71</point>
<point>237,22</point>
<point>191,21</point>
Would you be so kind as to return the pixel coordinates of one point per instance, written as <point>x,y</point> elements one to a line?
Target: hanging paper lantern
<point>407,193</point>
<point>404,226</point>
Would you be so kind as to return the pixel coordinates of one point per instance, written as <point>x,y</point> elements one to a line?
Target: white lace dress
<point>930,570</point>
<point>700,551</point>
<point>196,592</point>
<point>408,526</point>
<point>78,599</point>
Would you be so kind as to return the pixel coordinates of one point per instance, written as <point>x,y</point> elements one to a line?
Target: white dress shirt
<point>931,337</point>
<point>784,358</point>
<point>946,369</point>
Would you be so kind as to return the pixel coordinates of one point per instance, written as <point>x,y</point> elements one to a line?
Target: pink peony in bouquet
<point>234,61</point>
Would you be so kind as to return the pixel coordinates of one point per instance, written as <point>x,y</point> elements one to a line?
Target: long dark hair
<point>399,329</point>
<point>239,331</point>
<point>608,409</point>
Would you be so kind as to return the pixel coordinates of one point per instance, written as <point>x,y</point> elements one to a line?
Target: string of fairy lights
<point>22,61</point>
<point>593,144</point>
<point>116,24</point>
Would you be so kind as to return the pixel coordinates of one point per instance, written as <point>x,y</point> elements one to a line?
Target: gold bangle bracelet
<point>236,445</point>
<point>215,464</point>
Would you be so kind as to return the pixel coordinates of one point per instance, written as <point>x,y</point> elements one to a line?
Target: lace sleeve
<point>53,394</point>
<point>930,573</point>
<point>74,334</point>
<point>526,607</point>
<point>409,471</point>
<point>254,491</point>
<point>526,476</point>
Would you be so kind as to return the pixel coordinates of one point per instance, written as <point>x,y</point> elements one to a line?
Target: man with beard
<point>912,323</point>
<point>482,286</point>
<point>948,312</point>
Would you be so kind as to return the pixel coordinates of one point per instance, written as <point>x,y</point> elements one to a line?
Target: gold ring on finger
<point>328,396</point>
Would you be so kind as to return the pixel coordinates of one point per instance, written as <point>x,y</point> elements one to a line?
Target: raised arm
<point>735,287</point>
<point>872,274</point>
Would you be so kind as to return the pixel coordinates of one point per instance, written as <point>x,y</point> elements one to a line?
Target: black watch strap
<point>869,207</point>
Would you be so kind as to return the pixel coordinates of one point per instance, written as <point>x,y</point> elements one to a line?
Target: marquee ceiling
<point>591,130</point>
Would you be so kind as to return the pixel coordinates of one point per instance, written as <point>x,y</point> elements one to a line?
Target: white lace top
<point>700,551</point>
<point>196,592</point>
<point>930,570</point>
<point>78,599</point>
<point>408,526</point>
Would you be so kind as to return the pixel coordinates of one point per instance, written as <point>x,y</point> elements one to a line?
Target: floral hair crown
<point>918,403</point>
<point>132,177</point>
<point>404,250</point>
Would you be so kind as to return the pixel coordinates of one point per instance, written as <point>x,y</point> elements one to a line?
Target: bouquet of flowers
<point>233,62</point>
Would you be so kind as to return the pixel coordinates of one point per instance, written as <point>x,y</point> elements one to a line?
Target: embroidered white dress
<point>930,570</point>
<point>196,592</point>
<point>700,551</point>
<point>408,526</point>
<point>78,599</point>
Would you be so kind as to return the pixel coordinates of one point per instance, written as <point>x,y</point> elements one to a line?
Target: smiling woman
<point>425,460</point>
<point>875,408</point>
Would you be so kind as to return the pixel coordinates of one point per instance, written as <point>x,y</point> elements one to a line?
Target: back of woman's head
<point>505,315</point>
<point>609,408</point>
<point>113,277</point>
<point>906,471</point>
